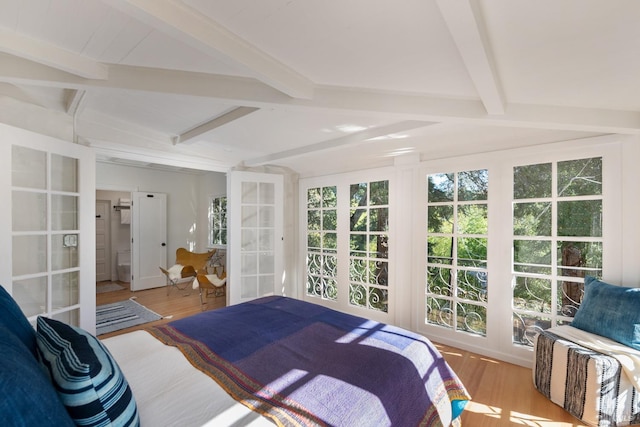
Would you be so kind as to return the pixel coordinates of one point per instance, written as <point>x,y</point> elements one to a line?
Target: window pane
<point>532,181</point>
<point>29,255</point>
<point>313,198</point>
<point>526,327</point>
<point>313,220</point>
<point>580,218</point>
<point>358,244</point>
<point>440,188</point>
<point>584,257</point>
<point>380,193</point>
<point>440,250</point>
<point>440,219</point>
<point>472,219</point>
<point>330,241</point>
<point>472,252</point>
<point>379,273</point>
<point>266,240</point>
<point>28,168</point>
<point>439,312</point>
<point>249,216</point>
<point>473,185</point>
<point>330,219</point>
<point>532,294</point>
<point>439,281</point>
<point>267,193</point>
<point>71,317</point>
<point>249,192</point>
<point>29,211</point>
<point>580,177</point>
<point>532,256</point>
<point>31,295</point>
<point>379,299</point>
<point>379,246</point>
<point>472,285</point>
<point>65,289</point>
<point>357,295</point>
<point>64,173</point>
<point>532,219</point>
<point>63,257</point>
<point>471,318</point>
<point>358,220</point>
<point>267,216</point>
<point>358,195</point>
<point>64,212</point>
<point>379,219</point>
<point>329,197</point>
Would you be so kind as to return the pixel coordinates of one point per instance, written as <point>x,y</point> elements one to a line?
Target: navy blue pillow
<point>610,311</point>
<point>87,379</point>
<point>13,318</point>
<point>27,397</point>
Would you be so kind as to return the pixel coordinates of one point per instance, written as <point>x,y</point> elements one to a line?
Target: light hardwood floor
<point>502,393</point>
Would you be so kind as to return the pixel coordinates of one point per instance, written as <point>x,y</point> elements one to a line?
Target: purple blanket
<point>303,364</point>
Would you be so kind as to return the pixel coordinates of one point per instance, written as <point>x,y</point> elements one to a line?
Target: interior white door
<point>148,240</point>
<point>255,223</point>
<point>47,226</point>
<point>103,246</point>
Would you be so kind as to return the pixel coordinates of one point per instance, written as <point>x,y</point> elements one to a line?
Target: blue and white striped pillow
<point>86,377</point>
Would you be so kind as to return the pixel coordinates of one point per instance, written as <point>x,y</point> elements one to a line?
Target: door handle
<point>98,216</point>
<point>164,244</point>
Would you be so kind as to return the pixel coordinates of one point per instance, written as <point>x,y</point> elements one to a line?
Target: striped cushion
<point>589,385</point>
<point>87,379</point>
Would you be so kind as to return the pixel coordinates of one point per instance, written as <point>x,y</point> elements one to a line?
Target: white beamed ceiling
<point>337,84</point>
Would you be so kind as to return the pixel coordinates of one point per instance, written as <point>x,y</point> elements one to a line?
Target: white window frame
<point>342,183</point>
<point>211,225</point>
<point>498,342</point>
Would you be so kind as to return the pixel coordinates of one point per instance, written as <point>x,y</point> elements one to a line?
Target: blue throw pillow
<point>88,380</point>
<point>610,311</point>
<point>27,397</point>
<point>14,319</point>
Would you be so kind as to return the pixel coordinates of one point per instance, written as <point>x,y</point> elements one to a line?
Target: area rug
<point>121,315</point>
<point>108,287</point>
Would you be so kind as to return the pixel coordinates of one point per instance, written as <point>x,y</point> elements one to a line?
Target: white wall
<point>187,199</point>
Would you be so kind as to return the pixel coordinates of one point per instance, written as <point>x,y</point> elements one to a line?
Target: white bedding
<point>169,391</point>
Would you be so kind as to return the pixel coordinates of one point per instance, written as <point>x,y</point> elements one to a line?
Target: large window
<point>347,223</point>
<point>218,221</point>
<point>322,242</point>
<point>457,237</point>
<point>369,245</point>
<point>557,240</point>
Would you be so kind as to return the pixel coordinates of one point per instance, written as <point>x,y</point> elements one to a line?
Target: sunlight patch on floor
<point>515,418</point>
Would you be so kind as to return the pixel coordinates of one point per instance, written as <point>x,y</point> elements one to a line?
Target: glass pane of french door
<point>45,233</point>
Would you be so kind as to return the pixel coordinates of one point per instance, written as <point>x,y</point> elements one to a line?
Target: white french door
<point>149,240</point>
<point>255,223</point>
<point>47,234</point>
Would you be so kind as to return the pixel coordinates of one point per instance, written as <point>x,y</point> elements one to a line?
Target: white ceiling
<point>323,85</point>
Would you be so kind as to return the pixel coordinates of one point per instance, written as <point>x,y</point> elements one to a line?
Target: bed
<point>275,360</point>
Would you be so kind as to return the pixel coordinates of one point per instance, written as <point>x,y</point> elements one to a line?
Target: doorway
<point>103,240</point>
<point>113,233</point>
